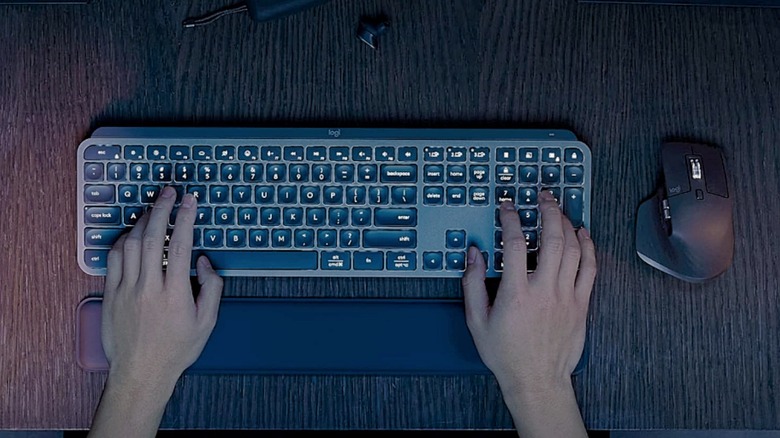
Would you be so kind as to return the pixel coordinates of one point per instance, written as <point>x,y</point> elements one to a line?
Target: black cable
<point>210,18</point>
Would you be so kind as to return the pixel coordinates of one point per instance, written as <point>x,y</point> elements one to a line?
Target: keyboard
<point>277,202</point>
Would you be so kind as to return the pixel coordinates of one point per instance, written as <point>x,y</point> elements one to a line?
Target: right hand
<point>533,335</point>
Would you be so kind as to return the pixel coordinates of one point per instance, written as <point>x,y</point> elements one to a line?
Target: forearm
<point>549,412</point>
<point>131,407</point>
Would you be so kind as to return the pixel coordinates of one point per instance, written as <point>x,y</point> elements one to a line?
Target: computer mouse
<point>686,228</point>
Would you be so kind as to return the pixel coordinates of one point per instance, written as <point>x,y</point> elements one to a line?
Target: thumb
<point>474,291</point>
<point>210,291</point>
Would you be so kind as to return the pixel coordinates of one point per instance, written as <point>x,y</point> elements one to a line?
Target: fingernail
<point>168,192</point>
<point>204,261</point>
<point>188,201</point>
<point>506,205</point>
<point>473,254</point>
<point>546,196</point>
<point>585,233</point>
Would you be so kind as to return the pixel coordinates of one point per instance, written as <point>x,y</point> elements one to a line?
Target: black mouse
<point>686,228</point>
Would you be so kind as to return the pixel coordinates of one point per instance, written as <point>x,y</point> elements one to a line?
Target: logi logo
<point>335,133</point>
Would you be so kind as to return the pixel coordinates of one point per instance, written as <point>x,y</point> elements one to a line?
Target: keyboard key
<point>456,154</point>
<point>202,153</point>
<point>134,152</point>
<point>184,172</point>
<point>258,238</point>
<point>479,196</point>
<point>101,236</point>
<point>433,173</point>
<point>203,216</point>
<point>335,260</point>
<point>531,261</point>
<point>224,216</point>
<point>556,192</point>
<point>96,258</point>
<point>361,216</point>
<point>158,152</point>
<point>338,217</point>
<point>390,238</point>
<point>455,239</point>
<point>378,195</point>
<point>261,260</point>
<point>271,153</point>
<point>288,194</point>
<point>433,154</point>
<point>529,174</point>
<point>456,174</point>
<point>433,195</point>
<point>270,216</point>
<point>361,153</point>
<point>551,174</point>
<point>180,153</point>
<point>321,172</point>
<point>276,173</point>
<point>395,217</point>
<point>212,238</point>
<point>247,216</point>
<point>506,155</point>
<point>498,261</point>
<point>401,261</point>
<point>248,153</point>
<point>333,195</point>
<point>572,155</point>
<point>102,152</point>
<point>338,153</point>
<point>162,172</point>
<point>149,194</point>
<point>293,153</point>
<point>528,217</point>
<point>316,153</point>
<point>385,153</point>
<point>407,154</point>
<point>345,173</point>
<point>132,214</point>
<point>498,241</point>
<point>398,173</point>
<point>264,195</point>
<point>304,238</point>
<point>93,172</point>
<point>281,238</point>
<point>241,194</point>
<point>116,171</point>
<point>356,195</point>
<point>253,173</point>
<point>531,240</point>
<point>315,216</point>
<point>225,153</point>
<point>292,216</point>
<point>506,193</point>
<point>479,155</point>
<point>432,261</point>
<point>310,195</point>
<point>326,238</point>
<point>198,192</point>
<point>505,174</point>
<point>456,261</point>
<point>207,172</point>
<point>368,260</point>
<point>99,194</point>
<point>527,196</point>
<point>573,174</point>
<point>299,173</point>
<point>218,194</point>
<point>479,174</point>
<point>573,205</point>
<point>551,155</point>
<point>349,238</point>
<point>230,172</point>
<point>456,196</point>
<point>367,173</point>
<point>404,195</point>
<point>529,155</point>
<point>236,238</point>
<point>127,194</point>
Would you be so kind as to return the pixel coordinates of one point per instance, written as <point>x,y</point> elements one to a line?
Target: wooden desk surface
<point>664,354</point>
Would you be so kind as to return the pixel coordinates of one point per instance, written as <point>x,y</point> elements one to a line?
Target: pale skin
<point>531,337</point>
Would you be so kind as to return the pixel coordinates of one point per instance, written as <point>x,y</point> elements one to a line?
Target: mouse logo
<point>335,133</point>
<point>674,190</point>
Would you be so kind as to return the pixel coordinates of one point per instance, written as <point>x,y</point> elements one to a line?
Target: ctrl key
<point>95,258</point>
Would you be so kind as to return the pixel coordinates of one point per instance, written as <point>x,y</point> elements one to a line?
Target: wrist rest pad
<point>319,336</point>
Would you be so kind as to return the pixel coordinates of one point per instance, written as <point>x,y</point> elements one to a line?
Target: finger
<point>570,261</point>
<point>180,248</point>
<point>210,292</point>
<point>515,248</point>
<point>154,235</point>
<point>588,267</point>
<point>114,268</point>
<point>474,292</point>
<point>133,246</point>
<point>552,243</point>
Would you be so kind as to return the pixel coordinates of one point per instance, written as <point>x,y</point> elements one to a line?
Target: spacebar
<point>251,260</point>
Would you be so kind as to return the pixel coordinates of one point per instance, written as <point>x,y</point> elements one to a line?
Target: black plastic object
<point>320,336</point>
<point>369,30</point>
<point>265,10</point>
<point>686,228</point>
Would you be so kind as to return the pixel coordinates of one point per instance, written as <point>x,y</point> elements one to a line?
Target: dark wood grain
<point>663,354</point>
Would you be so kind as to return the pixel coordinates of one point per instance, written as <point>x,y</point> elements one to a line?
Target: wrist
<point>541,392</point>
<point>152,388</point>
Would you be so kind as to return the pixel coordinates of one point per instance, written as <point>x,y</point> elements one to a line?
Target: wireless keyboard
<point>331,202</point>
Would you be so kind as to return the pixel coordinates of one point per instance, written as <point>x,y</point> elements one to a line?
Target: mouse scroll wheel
<point>695,168</point>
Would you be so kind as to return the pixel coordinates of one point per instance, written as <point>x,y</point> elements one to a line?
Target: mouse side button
<point>676,168</point>
<point>714,170</point>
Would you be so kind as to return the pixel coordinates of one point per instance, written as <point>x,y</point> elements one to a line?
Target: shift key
<point>389,238</point>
